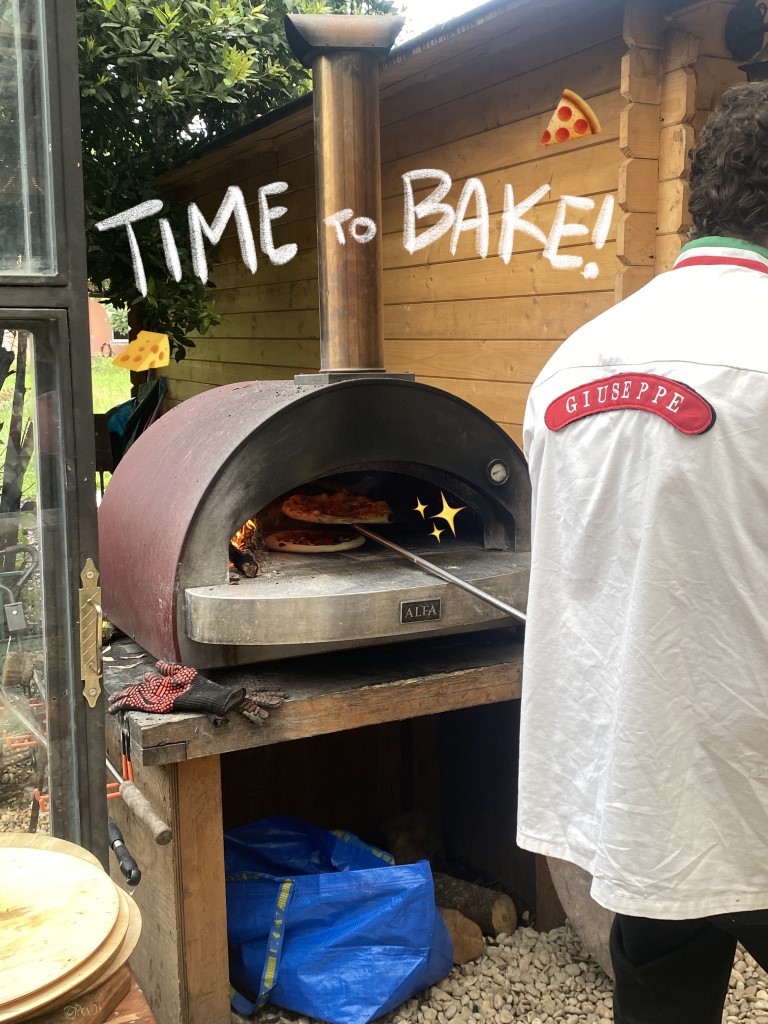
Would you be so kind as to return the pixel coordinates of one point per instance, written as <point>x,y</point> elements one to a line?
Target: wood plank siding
<point>474,104</point>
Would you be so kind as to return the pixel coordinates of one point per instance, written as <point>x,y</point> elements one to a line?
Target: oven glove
<point>176,688</point>
<point>256,702</point>
<point>202,695</point>
<point>156,694</point>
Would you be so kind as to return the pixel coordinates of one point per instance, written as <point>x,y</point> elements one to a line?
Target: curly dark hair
<point>729,168</point>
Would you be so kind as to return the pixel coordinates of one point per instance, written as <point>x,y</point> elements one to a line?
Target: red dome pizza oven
<point>232,454</point>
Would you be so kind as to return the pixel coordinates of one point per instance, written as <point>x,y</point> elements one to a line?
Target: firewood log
<point>493,911</point>
<point>466,937</point>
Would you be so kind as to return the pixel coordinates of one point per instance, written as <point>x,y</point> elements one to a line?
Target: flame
<point>244,539</point>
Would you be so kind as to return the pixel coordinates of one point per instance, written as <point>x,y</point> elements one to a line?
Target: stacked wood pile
<point>471,912</point>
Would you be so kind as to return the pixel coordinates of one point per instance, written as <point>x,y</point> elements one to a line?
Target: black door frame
<point>60,302</point>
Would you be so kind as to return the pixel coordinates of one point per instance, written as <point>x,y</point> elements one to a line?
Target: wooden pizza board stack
<point>66,932</point>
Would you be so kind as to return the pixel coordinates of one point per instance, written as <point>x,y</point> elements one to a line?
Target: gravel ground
<point>540,978</point>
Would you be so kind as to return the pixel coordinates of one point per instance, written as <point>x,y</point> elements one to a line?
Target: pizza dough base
<point>278,542</point>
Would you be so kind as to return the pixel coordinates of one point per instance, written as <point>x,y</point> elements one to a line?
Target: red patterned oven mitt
<point>176,688</point>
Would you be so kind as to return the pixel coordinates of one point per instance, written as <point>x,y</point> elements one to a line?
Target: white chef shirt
<point>644,744</point>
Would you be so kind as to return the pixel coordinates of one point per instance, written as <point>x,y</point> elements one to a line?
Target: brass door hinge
<point>90,632</point>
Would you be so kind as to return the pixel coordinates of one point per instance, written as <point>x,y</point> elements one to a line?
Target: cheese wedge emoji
<point>147,350</point>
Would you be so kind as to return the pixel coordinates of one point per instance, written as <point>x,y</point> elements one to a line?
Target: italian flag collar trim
<point>723,252</point>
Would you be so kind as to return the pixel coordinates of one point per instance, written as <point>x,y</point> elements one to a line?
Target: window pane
<point>27,244</point>
<point>36,694</point>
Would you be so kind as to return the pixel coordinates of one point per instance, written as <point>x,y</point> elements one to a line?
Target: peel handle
<point>141,807</point>
<point>128,865</point>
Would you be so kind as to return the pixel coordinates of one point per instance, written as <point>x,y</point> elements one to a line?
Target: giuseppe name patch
<point>676,403</point>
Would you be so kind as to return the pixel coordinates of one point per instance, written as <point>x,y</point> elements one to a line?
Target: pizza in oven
<point>313,542</point>
<point>338,507</point>
<point>573,119</point>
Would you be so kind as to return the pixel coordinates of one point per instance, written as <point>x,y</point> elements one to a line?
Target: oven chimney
<point>344,52</point>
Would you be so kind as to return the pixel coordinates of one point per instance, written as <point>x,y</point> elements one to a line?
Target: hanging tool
<point>128,865</point>
<point>125,743</point>
<point>443,574</point>
<point>141,807</point>
<point>15,620</point>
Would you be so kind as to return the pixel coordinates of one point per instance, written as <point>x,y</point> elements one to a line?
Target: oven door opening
<point>297,582</point>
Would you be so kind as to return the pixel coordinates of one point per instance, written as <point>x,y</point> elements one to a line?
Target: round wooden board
<point>58,914</point>
<point>125,950</point>
<point>41,841</point>
<point>79,980</point>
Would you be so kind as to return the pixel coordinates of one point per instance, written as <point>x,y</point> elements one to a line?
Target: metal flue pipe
<point>344,52</point>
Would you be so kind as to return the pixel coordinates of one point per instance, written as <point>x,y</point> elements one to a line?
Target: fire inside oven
<point>421,516</point>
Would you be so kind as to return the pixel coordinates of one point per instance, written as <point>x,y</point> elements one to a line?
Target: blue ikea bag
<point>320,923</point>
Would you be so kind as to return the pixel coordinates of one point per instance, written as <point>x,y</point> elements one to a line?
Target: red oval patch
<point>676,403</point>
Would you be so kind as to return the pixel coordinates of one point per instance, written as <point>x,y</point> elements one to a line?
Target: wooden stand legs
<point>181,960</point>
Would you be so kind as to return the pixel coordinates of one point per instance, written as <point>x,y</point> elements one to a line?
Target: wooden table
<point>181,960</point>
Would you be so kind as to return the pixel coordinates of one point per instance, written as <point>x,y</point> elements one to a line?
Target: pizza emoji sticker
<point>147,351</point>
<point>573,119</point>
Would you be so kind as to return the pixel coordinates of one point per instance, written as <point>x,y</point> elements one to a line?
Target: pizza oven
<point>184,570</point>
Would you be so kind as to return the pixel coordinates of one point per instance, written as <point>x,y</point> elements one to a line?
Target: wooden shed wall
<point>476,327</point>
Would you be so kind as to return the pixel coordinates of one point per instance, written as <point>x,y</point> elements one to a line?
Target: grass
<point>111,385</point>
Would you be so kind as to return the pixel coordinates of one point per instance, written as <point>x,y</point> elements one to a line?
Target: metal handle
<point>142,808</point>
<point>33,557</point>
<point>91,618</point>
<point>125,859</point>
<point>422,563</point>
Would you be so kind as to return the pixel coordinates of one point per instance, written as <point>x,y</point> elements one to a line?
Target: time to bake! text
<point>470,215</point>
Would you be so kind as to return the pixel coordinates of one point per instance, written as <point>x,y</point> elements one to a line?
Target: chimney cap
<point>311,35</point>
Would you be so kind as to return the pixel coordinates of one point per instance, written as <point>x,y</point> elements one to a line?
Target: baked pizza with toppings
<point>338,507</point>
<point>573,119</point>
<point>313,542</point>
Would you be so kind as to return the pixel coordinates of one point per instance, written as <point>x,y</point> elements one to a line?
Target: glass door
<point>50,693</point>
<point>52,769</point>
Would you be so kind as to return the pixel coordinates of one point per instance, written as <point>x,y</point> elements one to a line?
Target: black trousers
<point>676,972</point>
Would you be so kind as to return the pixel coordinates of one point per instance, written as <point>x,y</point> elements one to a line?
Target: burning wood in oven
<point>246,549</point>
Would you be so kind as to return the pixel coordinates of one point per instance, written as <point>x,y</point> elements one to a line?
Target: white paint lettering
<point>602,393</point>
<point>644,386</point>
<point>512,220</point>
<point>603,223</point>
<point>126,219</point>
<point>615,391</point>
<point>431,205</point>
<point>439,213</point>
<point>627,389</point>
<point>362,229</point>
<point>675,402</point>
<point>561,230</point>
<point>170,251</point>
<point>336,220</point>
<point>233,202</point>
<point>571,405</point>
<point>586,399</point>
<point>473,189</point>
<point>277,257</point>
<point>660,392</point>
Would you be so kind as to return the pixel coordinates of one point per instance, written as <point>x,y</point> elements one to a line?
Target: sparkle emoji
<point>436,531</point>
<point>448,514</point>
<point>421,509</point>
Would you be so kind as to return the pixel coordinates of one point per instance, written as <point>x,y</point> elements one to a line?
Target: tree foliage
<point>158,79</point>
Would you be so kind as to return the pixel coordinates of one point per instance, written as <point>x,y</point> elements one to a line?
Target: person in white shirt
<point>644,739</point>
